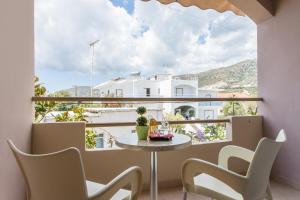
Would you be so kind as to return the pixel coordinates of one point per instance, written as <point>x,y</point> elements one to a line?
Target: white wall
<point>16,71</point>
<point>142,84</point>
<point>190,88</point>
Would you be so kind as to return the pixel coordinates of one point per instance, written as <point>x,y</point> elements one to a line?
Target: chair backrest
<point>58,175</point>
<point>261,165</point>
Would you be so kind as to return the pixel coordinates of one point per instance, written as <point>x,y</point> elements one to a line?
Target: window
<point>119,92</point>
<point>100,141</point>
<point>179,91</point>
<point>148,92</point>
<point>158,91</point>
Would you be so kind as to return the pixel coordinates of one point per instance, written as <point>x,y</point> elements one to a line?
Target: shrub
<point>90,139</point>
<point>141,121</point>
<point>214,132</point>
<point>141,110</point>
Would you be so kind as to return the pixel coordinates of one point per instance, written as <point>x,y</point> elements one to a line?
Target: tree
<point>41,108</point>
<point>233,108</point>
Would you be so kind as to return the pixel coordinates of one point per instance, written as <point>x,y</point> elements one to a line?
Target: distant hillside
<point>240,77</point>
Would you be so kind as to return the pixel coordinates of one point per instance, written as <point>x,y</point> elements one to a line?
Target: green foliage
<point>90,139</point>
<point>214,132</point>
<point>62,106</point>
<point>178,128</point>
<point>77,117</point>
<point>41,108</point>
<point>79,114</point>
<point>141,110</point>
<point>251,109</point>
<point>142,121</point>
<point>64,117</point>
<point>39,89</point>
<point>233,108</point>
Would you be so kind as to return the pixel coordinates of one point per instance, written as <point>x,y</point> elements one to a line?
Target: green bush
<point>214,132</point>
<point>142,121</point>
<point>141,110</point>
<point>41,108</point>
<point>234,108</point>
<point>90,139</point>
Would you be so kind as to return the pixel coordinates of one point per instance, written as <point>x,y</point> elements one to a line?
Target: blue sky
<point>128,5</point>
<point>134,36</point>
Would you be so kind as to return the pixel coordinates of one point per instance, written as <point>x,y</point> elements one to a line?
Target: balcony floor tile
<point>279,191</point>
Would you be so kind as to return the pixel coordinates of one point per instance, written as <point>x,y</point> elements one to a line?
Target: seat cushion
<point>212,187</point>
<point>93,188</point>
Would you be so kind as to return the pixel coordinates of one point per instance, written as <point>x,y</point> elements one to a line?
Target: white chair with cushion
<point>218,182</point>
<point>61,176</point>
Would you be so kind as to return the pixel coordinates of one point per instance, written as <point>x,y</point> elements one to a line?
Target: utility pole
<point>92,45</point>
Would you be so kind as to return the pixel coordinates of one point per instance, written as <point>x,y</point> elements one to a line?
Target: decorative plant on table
<point>142,127</point>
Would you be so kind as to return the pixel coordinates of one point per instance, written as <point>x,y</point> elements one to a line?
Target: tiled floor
<point>279,191</point>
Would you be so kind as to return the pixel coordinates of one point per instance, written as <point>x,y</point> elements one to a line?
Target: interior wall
<point>16,86</point>
<point>279,85</point>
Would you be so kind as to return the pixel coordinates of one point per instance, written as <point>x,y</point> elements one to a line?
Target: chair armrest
<point>194,167</point>
<point>132,176</point>
<point>234,151</point>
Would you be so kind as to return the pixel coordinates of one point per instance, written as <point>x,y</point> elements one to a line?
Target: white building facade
<point>160,85</point>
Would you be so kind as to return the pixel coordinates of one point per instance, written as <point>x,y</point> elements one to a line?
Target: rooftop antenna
<point>92,45</point>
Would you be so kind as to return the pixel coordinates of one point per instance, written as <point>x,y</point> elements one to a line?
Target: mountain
<point>240,77</point>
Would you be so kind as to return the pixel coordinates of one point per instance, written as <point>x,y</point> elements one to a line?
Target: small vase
<point>142,132</point>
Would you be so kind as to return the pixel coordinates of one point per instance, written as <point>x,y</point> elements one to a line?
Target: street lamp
<point>92,45</point>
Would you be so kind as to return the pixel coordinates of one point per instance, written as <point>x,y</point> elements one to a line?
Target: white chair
<point>217,182</point>
<point>61,176</point>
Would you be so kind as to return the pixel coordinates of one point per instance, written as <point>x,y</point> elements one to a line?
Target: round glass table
<point>130,141</point>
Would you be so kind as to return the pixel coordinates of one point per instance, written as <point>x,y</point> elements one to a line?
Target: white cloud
<point>155,38</point>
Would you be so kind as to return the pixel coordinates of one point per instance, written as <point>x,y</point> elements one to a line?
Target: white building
<point>78,91</point>
<point>160,85</point>
<point>209,110</point>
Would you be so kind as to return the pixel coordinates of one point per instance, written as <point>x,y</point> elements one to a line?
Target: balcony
<point>48,137</point>
<point>278,84</point>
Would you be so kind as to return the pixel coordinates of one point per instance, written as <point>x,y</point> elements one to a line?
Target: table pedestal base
<point>153,176</point>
